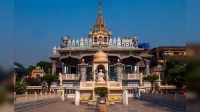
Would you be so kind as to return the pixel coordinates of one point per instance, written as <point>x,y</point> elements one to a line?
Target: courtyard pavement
<point>68,106</point>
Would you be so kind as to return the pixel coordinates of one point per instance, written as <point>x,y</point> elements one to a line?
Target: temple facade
<point>67,58</point>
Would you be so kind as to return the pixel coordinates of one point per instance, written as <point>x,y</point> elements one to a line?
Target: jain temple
<point>101,60</point>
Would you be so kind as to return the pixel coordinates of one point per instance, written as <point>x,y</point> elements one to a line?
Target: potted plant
<point>102,92</point>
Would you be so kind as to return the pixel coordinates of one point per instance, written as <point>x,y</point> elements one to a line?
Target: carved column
<point>63,67</point>
<point>83,69</point>
<point>147,69</point>
<point>53,67</point>
<point>137,68</point>
<point>119,68</point>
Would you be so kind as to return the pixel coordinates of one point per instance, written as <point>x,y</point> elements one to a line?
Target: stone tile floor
<point>68,106</point>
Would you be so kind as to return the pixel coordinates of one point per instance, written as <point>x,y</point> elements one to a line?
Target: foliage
<point>151,78</point>
<point>176,71</point>
<point>193,75</point>
<point>177,76</point>
<point>49,78</point>
<point>18,64</point>
<point>45,65</point>
<point>33,81</point>
<point>156,86</point>
<point>31,68</point>
<point>101,91</point>
<point>20,88</point>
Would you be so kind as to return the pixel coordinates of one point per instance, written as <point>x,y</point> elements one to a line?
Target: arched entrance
<point>100,67</point>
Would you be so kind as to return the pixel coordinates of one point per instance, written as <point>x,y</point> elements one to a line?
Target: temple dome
<point>100,56</point>
<point>90,32</point>
<point>65,38</point>
<point>37,68</point>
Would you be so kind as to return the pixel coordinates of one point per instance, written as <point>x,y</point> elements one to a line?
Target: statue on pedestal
<point>100,76</point>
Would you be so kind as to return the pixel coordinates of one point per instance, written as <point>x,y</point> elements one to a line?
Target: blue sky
<point>34,27</point>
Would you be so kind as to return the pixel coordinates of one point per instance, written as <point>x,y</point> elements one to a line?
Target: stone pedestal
<point>141,89</point>
<point>119,68</point>
<point>77,98</point>
<point>83,69</point>
<point>125,97</point>
<point>63,94</point>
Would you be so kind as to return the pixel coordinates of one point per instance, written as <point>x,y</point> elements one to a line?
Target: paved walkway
<point>68,106</point>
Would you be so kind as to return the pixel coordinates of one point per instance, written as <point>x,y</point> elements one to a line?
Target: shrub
<point>101,91</point>
<point>20,88</point>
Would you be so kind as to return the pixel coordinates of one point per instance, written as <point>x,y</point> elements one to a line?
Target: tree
<point>152,79</point>
<point>176,71</point>
<point>49,78</point>
<point>18,64</point>
<point>193,77</point>
<point>33,81</point>
<point>31,68</point>
<point>20,87</point>
<point>177,76</point>
<point>45,65</point>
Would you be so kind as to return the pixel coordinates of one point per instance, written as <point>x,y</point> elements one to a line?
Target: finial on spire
<point>134,35</point>
<point>99,7</point>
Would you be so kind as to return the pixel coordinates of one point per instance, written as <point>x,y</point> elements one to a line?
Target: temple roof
<point>18,69</point>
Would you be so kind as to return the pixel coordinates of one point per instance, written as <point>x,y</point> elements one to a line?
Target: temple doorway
<point>73,70</point>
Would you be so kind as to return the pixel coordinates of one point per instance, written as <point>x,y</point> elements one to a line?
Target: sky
<point>34,27</point>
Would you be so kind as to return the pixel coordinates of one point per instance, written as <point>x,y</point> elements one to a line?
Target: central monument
<point>100,66</point>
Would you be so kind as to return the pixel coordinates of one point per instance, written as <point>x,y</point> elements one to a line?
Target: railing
<point>177,100</point>
<point>69,76</point>
<point>26,100</point>
<point>115,85</point>
<point>87,85</point>
<point>134,76</point>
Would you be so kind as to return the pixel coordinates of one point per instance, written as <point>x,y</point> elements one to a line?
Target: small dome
<point>100,56</point>
<point>86,39</point>
<point>135,36</point>
<point>38,68</point>
<point>110,33</point>
<point>90,32</point>
<point>110,39</point>
<point>114,40</point>
<point>73,41</point>
<point>69,41</point>
<point>77,41</point>
<point>65,38</point>
<point>118,39</point>
<point>81,39</point>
